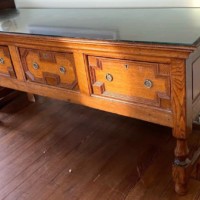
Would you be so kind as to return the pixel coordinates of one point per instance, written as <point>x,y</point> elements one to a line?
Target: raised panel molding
<point>48,71</point>
<point>161,74</point>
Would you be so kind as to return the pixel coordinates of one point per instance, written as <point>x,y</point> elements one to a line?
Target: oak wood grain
<point>128,80</point>
<point>49,65</point>
<point>6,66</point>
<point>132,110</point>
<point>169,51</point>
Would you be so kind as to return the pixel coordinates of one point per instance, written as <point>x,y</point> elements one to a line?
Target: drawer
<point>6,67</point>
<point>49,68</point>
<point>131,81</point>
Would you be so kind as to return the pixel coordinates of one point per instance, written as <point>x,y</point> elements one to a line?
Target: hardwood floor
<point>52,150</point>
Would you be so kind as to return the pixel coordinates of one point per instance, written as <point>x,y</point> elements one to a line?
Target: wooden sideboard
<point>153,81</point>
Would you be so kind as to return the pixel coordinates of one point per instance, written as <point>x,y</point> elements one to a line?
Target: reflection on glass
<point>8,26</point>
<point>7,20</point>
<point>74,32</point>
<point>160,25</point>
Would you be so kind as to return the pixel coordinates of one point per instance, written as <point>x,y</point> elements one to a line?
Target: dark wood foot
<point>182,171</point>
<point>180,167</point>
<point>181,176</point>
<point>180,189</point>
<point>31,97</point>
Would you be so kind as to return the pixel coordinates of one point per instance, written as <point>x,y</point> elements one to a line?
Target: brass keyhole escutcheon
<point>109,77</point>
<point>148,83</point>
<point>126,66</point>
<point>62,70</point>
<point>35,66</point>
<point>1,61</point>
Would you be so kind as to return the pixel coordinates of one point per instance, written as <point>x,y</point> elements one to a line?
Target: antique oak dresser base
<point>146,81</point>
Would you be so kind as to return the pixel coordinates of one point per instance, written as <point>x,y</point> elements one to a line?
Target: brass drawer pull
<point>148,83</point>
<point>109,77</point>
<point>35,66</point>
<point>62,70</point>
<point>1,61</point>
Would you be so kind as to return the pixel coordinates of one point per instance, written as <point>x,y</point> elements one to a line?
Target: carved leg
<point>180,126</point>
<point>181,166</point>
<point>31,97</point>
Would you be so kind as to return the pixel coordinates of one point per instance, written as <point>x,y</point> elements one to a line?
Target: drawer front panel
<point>132,81</point>
<point>6,67</point>
<point>50,68</point>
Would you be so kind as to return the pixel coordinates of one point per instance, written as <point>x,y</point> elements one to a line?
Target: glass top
<point>178,26</point>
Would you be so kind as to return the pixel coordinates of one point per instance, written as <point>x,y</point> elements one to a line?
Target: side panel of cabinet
<point>193,87</point>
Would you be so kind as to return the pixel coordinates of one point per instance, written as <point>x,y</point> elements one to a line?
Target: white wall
<point>106,3</point>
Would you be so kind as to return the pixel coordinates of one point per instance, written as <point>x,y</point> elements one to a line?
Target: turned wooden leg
<point>180,166</point>
<point>180,126</point>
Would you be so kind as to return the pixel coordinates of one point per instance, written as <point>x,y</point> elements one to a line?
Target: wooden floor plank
<point>41,150</point>
<point>156,181</point>
<point>53,150</point>
<point>75,137</point>
<point>72,161</point>
<point>121,173</point>
<point>31,152</point>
